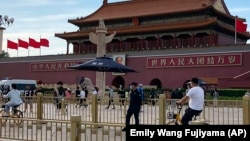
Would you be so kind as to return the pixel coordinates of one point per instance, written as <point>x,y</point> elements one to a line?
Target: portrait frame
<point>119,58</point>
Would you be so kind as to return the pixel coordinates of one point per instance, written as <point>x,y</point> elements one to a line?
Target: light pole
<point>5,21</point>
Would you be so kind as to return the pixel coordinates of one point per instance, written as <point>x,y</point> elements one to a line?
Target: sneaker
<point>113,108</point>
<point>107,108</point>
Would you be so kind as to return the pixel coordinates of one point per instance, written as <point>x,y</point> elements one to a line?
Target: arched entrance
<point>185,84</point>
<point>117,81</point>
<point>156,82</point>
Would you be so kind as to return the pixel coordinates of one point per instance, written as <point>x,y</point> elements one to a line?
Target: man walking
<point>111,97</point>
<point>134,105</point>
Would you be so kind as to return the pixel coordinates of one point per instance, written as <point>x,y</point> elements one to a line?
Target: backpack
<point>78,93</point>
<point>86,93</point>
<point>61,92</point>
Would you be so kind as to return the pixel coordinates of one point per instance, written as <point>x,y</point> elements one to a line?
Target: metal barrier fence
<point>51,130</point>
<point>225,112</point>
<point>76,128</point>
<point>221,112</point>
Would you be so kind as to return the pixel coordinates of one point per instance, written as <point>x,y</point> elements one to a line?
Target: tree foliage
<point>4,54</point>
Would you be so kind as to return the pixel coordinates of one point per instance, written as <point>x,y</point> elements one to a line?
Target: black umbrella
<point>102,64</point>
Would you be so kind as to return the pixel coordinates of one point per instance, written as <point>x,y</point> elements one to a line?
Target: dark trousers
<point>111,100</point>
<point>153,101</point>
<point>58,104</point>
<point>134,112</point>
<point>122,100</point>
<point>189,114</point>
<point>82,102</point>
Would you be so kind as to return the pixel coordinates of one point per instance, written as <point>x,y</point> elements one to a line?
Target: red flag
<point>34,43</point>
<point>44,42</point>
<point>240,25</point>
<point>12,45</point>
<point>23,44</point>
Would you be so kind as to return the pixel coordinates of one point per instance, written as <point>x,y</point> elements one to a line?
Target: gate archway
<point>117,81</point>
<point>156,82</point>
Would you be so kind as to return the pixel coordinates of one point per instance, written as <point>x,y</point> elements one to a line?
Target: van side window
<point>23,86</point>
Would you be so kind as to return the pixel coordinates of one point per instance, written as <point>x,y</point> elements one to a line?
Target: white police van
<point>5,85</point>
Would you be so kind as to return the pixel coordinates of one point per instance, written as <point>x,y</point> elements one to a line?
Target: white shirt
<point>196,98</point>
<point>14,96</point>
<point>111,92</point>
<point>94,92</point>
<point>82,94</point>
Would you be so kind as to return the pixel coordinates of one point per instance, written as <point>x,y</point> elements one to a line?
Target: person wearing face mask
<point>134,105</point>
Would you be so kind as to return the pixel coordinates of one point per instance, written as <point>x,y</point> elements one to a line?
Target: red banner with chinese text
<point>195,60</point>
<point>53,66</point>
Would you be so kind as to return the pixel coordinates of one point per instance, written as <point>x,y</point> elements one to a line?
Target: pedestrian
<point>68,94</point>
<point>77,95</point>
<point>215,94</point>
<point>134,105</point>
<point>141,90</point>
<point>111,98</point>
<point>39,90</point>
<point>188,87</point>
<point>195,96</point>
<point>152,96</point>
<point>86,96</point>
<point>59,95</point>
<point>122,95</point>
<point>77,92</point>
<point>83,98</point>
<point>28,98</point>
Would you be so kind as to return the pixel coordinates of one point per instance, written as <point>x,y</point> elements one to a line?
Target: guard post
<point>75,128</point>
<point>94,108</point>
<point>162,109</point>
<point>246,108</point>
<point>39,106</point>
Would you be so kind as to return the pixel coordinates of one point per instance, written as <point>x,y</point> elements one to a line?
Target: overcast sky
<point>44,18</point>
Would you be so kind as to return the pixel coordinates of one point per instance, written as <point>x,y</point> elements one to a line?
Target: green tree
<point>4,54</point>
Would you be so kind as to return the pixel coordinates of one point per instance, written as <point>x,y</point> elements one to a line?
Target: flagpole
<point>7,47</point>
<point>40,46</point>
<point>17,47</point>
<point>235,30</point>
<point>28,51</point>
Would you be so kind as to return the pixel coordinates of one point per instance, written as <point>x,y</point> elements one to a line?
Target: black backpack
<point>61,91</point>
<point>78,93</point>
<point>86,93</point>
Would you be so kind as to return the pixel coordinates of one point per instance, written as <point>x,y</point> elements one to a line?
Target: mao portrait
<point>121,60</point>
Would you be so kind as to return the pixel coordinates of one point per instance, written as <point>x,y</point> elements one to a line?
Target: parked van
<point>5,85</point>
